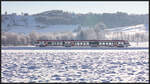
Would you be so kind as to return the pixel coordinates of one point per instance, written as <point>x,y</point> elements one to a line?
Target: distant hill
<point>58,20</point>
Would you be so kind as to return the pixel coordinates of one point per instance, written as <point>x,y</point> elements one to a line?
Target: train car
<point>91,43</point>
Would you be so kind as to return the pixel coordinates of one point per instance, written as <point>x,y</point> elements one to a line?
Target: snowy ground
<point>139,44</point>
<point>75,66</point>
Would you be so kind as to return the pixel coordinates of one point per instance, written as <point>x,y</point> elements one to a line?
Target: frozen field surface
<point>50,66</point>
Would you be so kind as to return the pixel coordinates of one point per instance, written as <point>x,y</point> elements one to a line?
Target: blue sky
<point>32,7</point>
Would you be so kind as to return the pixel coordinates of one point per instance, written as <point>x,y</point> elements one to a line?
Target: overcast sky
<point>32,7</point>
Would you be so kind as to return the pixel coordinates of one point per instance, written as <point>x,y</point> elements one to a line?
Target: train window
<point>85,43</point>
<point>109,43</point>
<point>106,43</point>
<point>67,42</point>
<point>53,43</point>
<point>122,43</point>
<point>36,42</point>
<point>81,43</point>
<point>103,43</point>
<point>57,43</point>
<point>63,42</point>
<point>49,42</point>
<point>77,43</point>
<point>99,43</point>
<point>42,42</point>
<point>60,43</point>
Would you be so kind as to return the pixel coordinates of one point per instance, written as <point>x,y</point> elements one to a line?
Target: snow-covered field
<point>75,66</point>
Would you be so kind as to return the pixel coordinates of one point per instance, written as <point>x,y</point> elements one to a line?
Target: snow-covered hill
<point>136,28</point>
<point>27,24</point>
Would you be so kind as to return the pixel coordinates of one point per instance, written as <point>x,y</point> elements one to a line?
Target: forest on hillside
<point>111,20</point>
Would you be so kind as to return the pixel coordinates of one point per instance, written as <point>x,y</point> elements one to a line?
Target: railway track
<point>71,48</point>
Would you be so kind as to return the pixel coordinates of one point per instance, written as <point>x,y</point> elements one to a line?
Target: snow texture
<point>96,66</point>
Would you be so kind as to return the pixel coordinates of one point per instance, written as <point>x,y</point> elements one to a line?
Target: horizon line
<point>74,12</point>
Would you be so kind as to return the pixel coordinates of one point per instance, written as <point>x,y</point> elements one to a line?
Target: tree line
<point>112,20</point>
<point>97,32</point>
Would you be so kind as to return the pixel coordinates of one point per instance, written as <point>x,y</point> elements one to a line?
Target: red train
<point>91,43</point>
